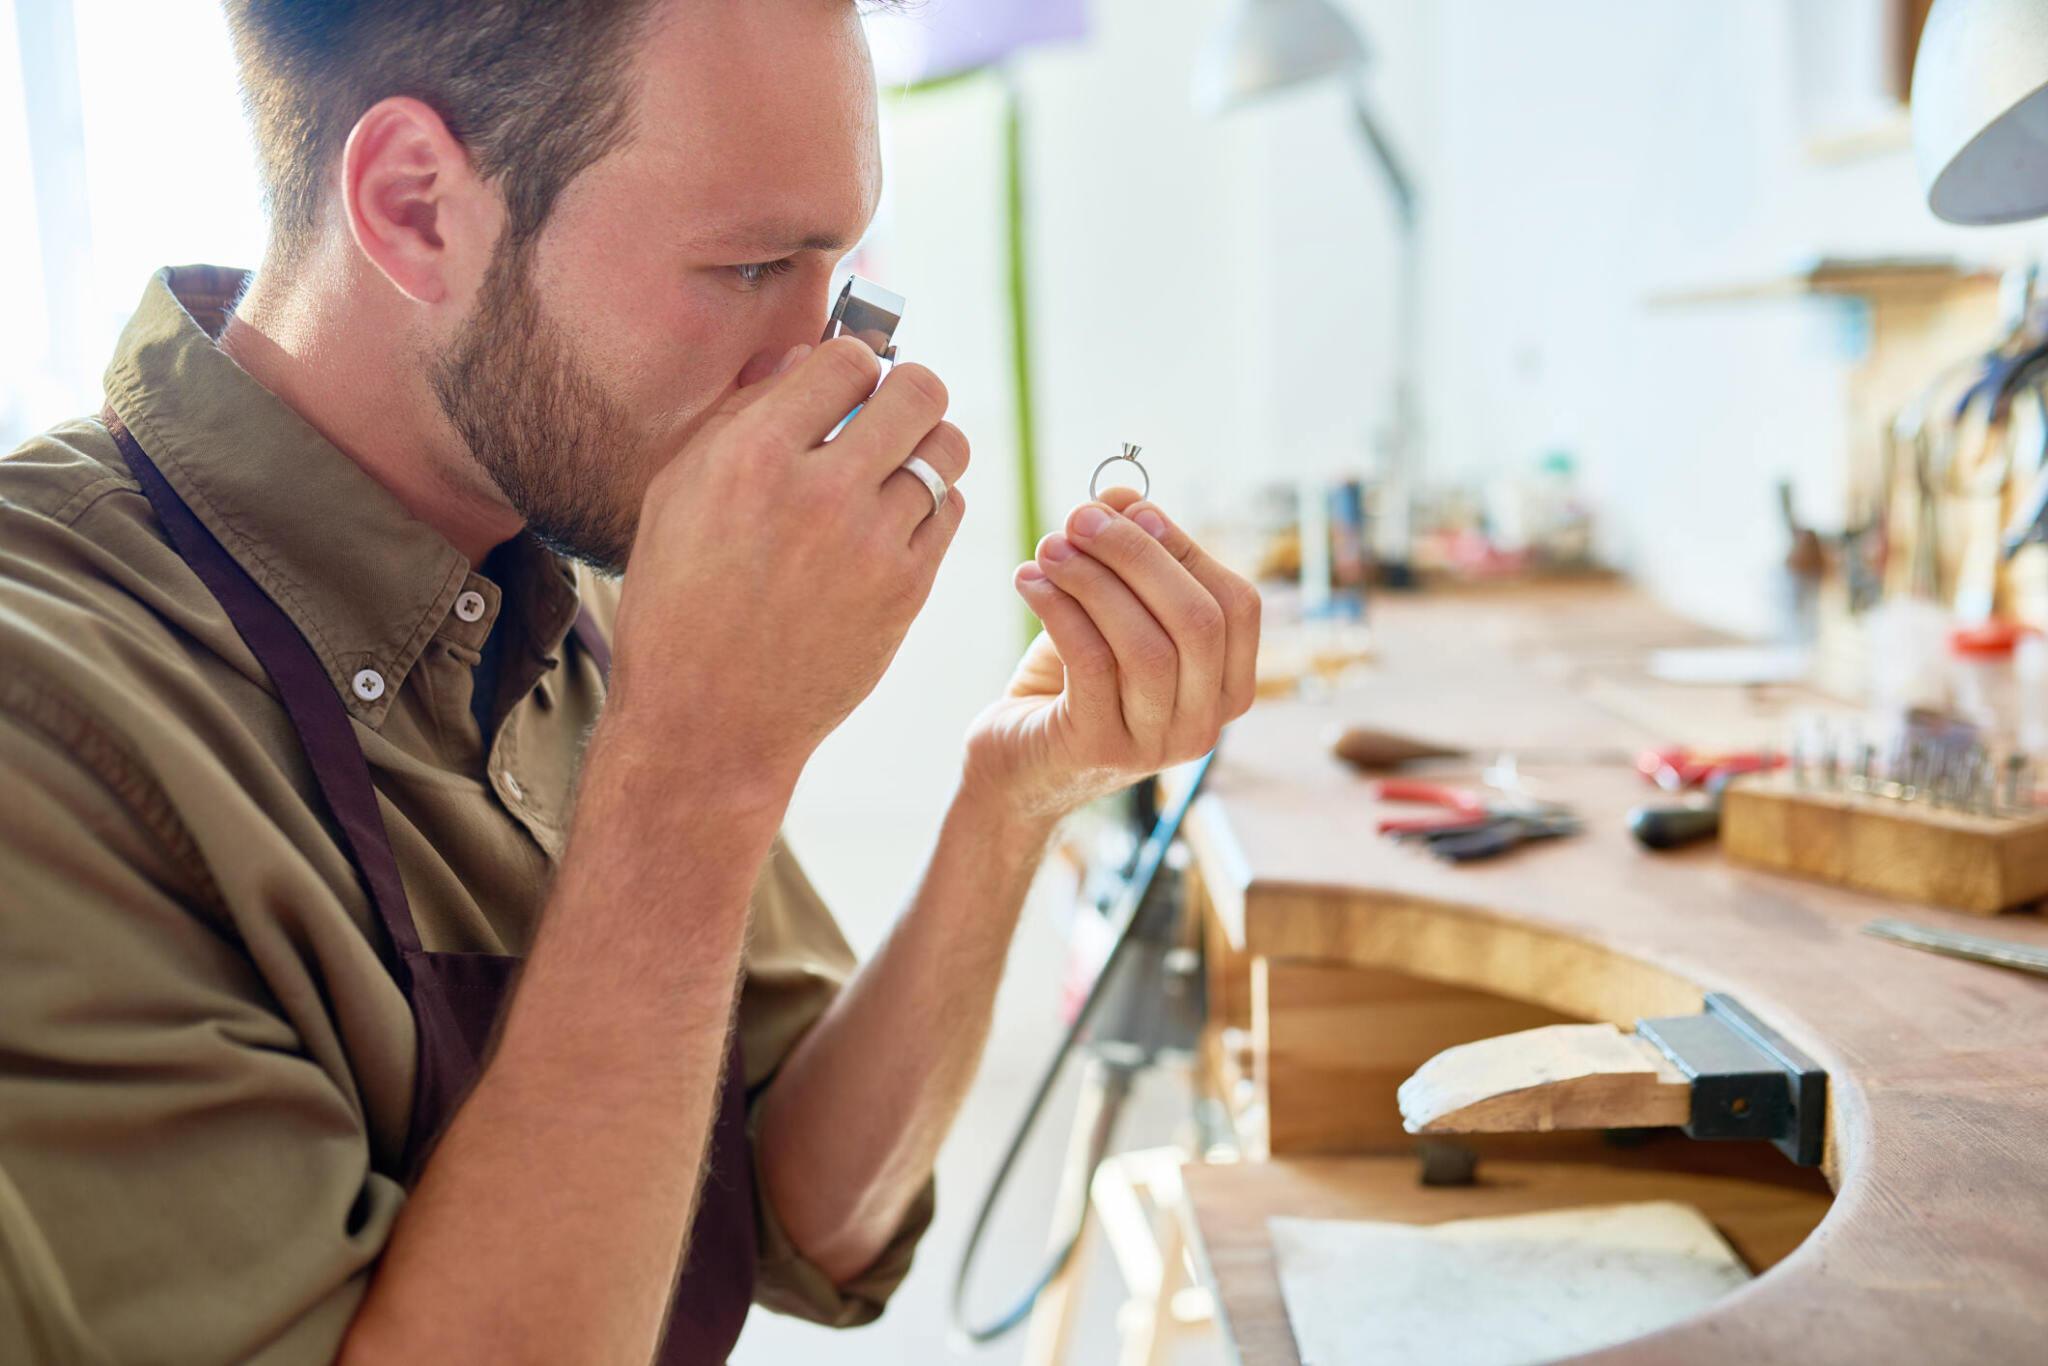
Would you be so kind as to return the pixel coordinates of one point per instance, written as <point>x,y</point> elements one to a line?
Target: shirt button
<point>470,606</point>
<point>512,786</point>
<point>369,685</point>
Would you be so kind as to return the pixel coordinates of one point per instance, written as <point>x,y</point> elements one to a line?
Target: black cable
<point>1151,858</point>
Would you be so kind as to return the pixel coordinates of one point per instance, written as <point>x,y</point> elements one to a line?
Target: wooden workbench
<point>1935,1247</point>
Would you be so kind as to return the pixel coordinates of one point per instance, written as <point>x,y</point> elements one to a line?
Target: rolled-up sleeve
<point>797,960</point>
<point>788,1283</point>
<point>178,1182</point>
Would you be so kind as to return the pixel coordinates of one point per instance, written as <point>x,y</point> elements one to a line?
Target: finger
<point>1089,662</point>
<point>1239,599</point>
<point>939,526</point>
<point>1176,600</point>
<point>909,498</point>
<point>1147,665</point>
<point>1119,498</point>
<point>800,406</point>
<point>891,424</point>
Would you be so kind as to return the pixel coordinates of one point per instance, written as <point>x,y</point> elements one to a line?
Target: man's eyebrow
<point>766,239</point>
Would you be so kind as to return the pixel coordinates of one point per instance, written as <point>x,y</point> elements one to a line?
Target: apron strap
<point>593,640</point>
<point>303,686</point>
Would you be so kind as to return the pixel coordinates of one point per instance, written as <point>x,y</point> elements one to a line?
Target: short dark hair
<point>536,90</point>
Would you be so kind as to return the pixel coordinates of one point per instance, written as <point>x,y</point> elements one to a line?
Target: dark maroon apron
<point>456,998</point>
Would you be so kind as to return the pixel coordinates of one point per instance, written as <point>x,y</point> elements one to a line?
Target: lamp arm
<point>1399,185</point>
<point>1394,531</point>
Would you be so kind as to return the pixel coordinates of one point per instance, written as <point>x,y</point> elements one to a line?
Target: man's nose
<point>798,321</point>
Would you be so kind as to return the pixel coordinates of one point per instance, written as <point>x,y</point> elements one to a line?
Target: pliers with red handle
<point>1463,808</point>
<point>1472,827</point>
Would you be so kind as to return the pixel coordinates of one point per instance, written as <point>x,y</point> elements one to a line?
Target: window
<point>122,147</point>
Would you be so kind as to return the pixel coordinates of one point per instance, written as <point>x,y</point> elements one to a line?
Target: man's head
<point>582,223</point>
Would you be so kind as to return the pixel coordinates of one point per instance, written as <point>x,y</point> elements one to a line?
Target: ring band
<point>1120,460</point>
<point>933,485</point>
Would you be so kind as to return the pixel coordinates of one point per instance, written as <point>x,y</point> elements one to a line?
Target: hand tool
<point>866,310</point>
<point>1497,835</point>
<point>1373,750</point>
<point>1466,809</point>
<point>1676,824</point>
<point>1681,767</point>
<point>1977,948</point>
<point>1475,827</point>
<point>1696,817</point>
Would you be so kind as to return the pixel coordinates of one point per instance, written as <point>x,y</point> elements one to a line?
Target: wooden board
<point>1226,1209</point>
<point>1589,1076</point>
<point>1909,851</point>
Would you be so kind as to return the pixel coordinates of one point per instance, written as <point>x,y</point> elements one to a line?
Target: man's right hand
<point>774,575</point>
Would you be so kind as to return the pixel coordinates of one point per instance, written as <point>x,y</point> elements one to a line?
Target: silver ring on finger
<point>929,477</point>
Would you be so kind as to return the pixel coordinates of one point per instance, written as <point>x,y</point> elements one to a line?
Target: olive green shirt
<point>206,1067</point>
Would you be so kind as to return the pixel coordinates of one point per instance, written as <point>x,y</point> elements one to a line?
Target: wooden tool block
<point>1333,1043</point>
<point>1914,851</point>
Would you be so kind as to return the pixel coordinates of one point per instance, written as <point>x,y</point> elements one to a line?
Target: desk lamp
<point>1265,46</point>
<point>1980,110</point>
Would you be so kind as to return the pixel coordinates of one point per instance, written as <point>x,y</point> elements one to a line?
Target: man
<point>300,650</point>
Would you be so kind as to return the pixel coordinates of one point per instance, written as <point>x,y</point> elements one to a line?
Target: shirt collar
<point>366,582</point>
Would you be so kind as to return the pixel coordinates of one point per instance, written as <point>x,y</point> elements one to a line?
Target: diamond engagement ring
<point>1130,453</point>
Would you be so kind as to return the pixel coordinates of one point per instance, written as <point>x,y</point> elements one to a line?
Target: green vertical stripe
<point>1029,515</point>
<point>1028,522</point>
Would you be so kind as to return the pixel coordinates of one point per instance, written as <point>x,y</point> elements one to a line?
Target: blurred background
<point>1658,256</point>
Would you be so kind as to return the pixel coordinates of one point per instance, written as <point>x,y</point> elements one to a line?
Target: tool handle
<point>1434,794</point>
<point>1487,841</point>
<point>1433,825</point>
<point>1670,827</point>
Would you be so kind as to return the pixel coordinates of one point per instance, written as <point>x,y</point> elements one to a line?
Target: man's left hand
<point>1150,646</point>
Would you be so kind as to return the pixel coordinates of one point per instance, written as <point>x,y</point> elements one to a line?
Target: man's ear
<point>415,206</point>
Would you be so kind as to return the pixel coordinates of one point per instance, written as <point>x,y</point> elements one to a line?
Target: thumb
<point>1090,664</point>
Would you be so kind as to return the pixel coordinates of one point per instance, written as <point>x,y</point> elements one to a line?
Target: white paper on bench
<point>1496,1292</point>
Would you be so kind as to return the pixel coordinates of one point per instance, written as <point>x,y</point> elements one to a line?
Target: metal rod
<point>2003,953</point>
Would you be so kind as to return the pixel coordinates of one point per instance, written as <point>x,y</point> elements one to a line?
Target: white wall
<point>1592,154</point>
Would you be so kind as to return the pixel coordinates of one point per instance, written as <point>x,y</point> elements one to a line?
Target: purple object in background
<point>940,38</point>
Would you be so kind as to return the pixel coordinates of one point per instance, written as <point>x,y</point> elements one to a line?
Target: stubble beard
<point>538,425</point>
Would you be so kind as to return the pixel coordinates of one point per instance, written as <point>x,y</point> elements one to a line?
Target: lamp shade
<point>1980,110</point>
<point>1267,45</point>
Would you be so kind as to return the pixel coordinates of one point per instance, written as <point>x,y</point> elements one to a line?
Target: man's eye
<point>762,271</point>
